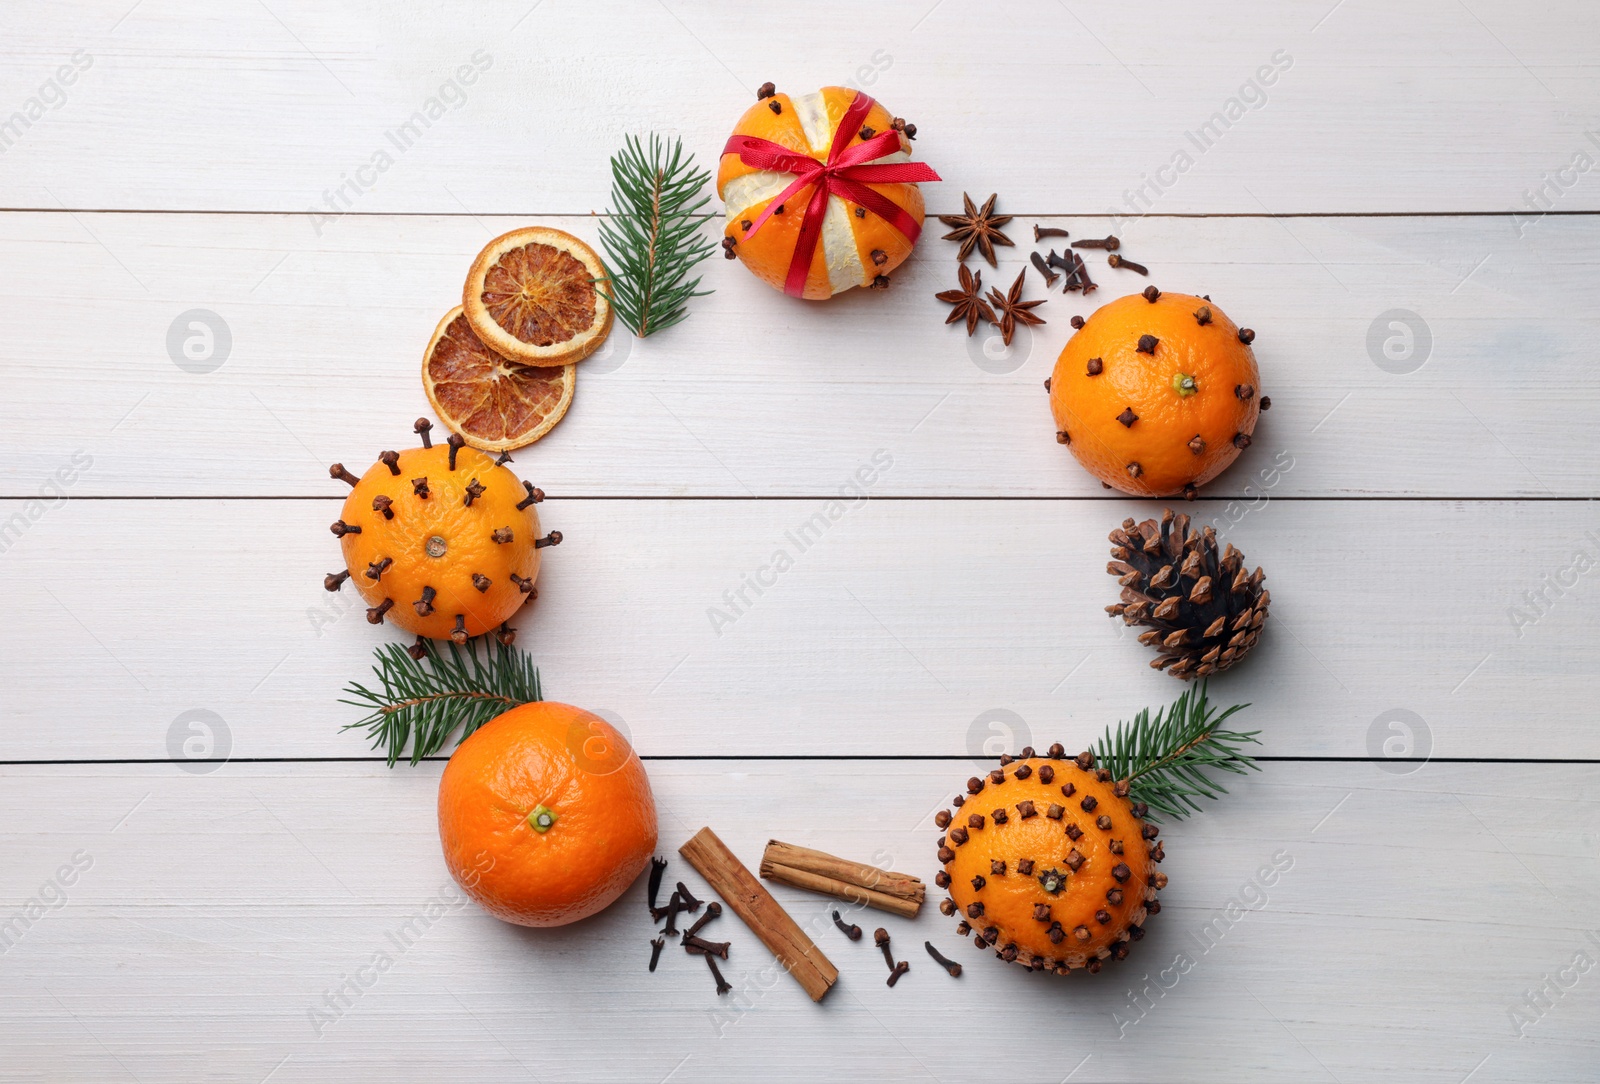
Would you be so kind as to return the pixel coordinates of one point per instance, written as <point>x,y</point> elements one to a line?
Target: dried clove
<point>1095,367</point>
<point>1202,315</point>
<point>775,105</point>
<point>723,985</point>
<point>1127,417</point>
<point>474,491</point>
<point>340,528</point>
<point>1077,323</point>
<point>376,569</point>
<point>392,461</point>
<point>535,495</point>
<point>880,937</point>
<point>1147,344</point>
<point>765,91</point>
<point>949,965</point>
<point>338,471</point>
<point>690,904</point>
<point>419,487</point>
<point>674,905</point>
<point>1151,294</point>
<point>1109,243</point>
<point>458,635</point>
<point>1082,270</point>
<point>727,249</point>
<point>421,427</point>
<point>1119,261</point>
<point>1041,232</point>
<point>899,969</point>
<point>424,605</point>
<point>335,580</point>
<point>1044,270</point>
<point>658,867</point>
<point>501,535</point>
<point>382,504</point>
<point>524,584</point>
<point>456,442</point>
<point>481,582</point>
<point>551,539</point>
<point>696,945</point>
<point>1246,336</point>
<point>502,459</point>
<point>419,649</point>
<point>506,634</point>
<point>655,950</point>
<point>849,929</point>
<point>375,613</point>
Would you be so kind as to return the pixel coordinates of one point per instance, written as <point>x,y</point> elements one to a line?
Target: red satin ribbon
<point>845,174</point>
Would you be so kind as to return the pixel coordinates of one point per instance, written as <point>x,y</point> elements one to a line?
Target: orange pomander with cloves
<point>1049,863</point>
<point>443,541</point>
<point>1156,393</point>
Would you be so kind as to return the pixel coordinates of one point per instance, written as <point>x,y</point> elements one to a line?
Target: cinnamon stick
<point>839,890</point>
<point>749,899</point>
<point>857,882</point>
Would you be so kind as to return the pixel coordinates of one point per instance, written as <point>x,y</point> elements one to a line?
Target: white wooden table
<point>1432,773</point>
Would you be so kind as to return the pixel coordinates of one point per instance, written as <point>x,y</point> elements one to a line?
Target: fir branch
<point>652,233</point>
<point>425,700</point>
<point>1165,759</point>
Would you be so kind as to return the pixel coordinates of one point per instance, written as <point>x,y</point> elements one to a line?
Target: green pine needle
<point>1165,759</point>
<point>425,701</point>
<point>652,236</point>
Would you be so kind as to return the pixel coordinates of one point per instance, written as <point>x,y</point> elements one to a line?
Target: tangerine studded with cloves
<point>1156,393</point>
<point>1059,872</point>
<point>443,540</point>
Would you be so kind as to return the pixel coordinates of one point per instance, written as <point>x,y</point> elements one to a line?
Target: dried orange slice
<point>494,403</point>
<point>533,295</point>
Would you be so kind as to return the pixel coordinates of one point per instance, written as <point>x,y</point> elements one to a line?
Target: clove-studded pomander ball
<point>1049,863</point>
<point>1202,611</point>
<point>854,244</point>
<point>443,540</point>
<point>1157,393</point>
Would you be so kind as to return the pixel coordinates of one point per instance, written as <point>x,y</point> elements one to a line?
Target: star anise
<point>968,301</point>
<point>1012,309</point>
<point>978,227</point>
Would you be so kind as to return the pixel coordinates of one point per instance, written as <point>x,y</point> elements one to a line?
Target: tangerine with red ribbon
<point>821,193</point>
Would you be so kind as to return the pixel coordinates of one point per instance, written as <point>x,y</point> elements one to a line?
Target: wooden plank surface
<point>1372,106</point>
<point>757,395</point>
<point>907,627</point>
<point>1409,915</point>
<point>1421,498</point>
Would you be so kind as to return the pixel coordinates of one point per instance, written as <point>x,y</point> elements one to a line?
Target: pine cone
<point>1204,612</point>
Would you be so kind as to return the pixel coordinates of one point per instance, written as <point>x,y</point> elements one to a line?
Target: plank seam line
<point>1564,213</point>
<point>928,757</point>
<point>796,497</point>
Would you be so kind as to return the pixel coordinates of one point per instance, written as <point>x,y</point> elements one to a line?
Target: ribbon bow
<point>846,174</point>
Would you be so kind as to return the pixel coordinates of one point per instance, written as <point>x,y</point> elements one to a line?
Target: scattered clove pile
<point>683,901</point>
<point>880,937</point>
